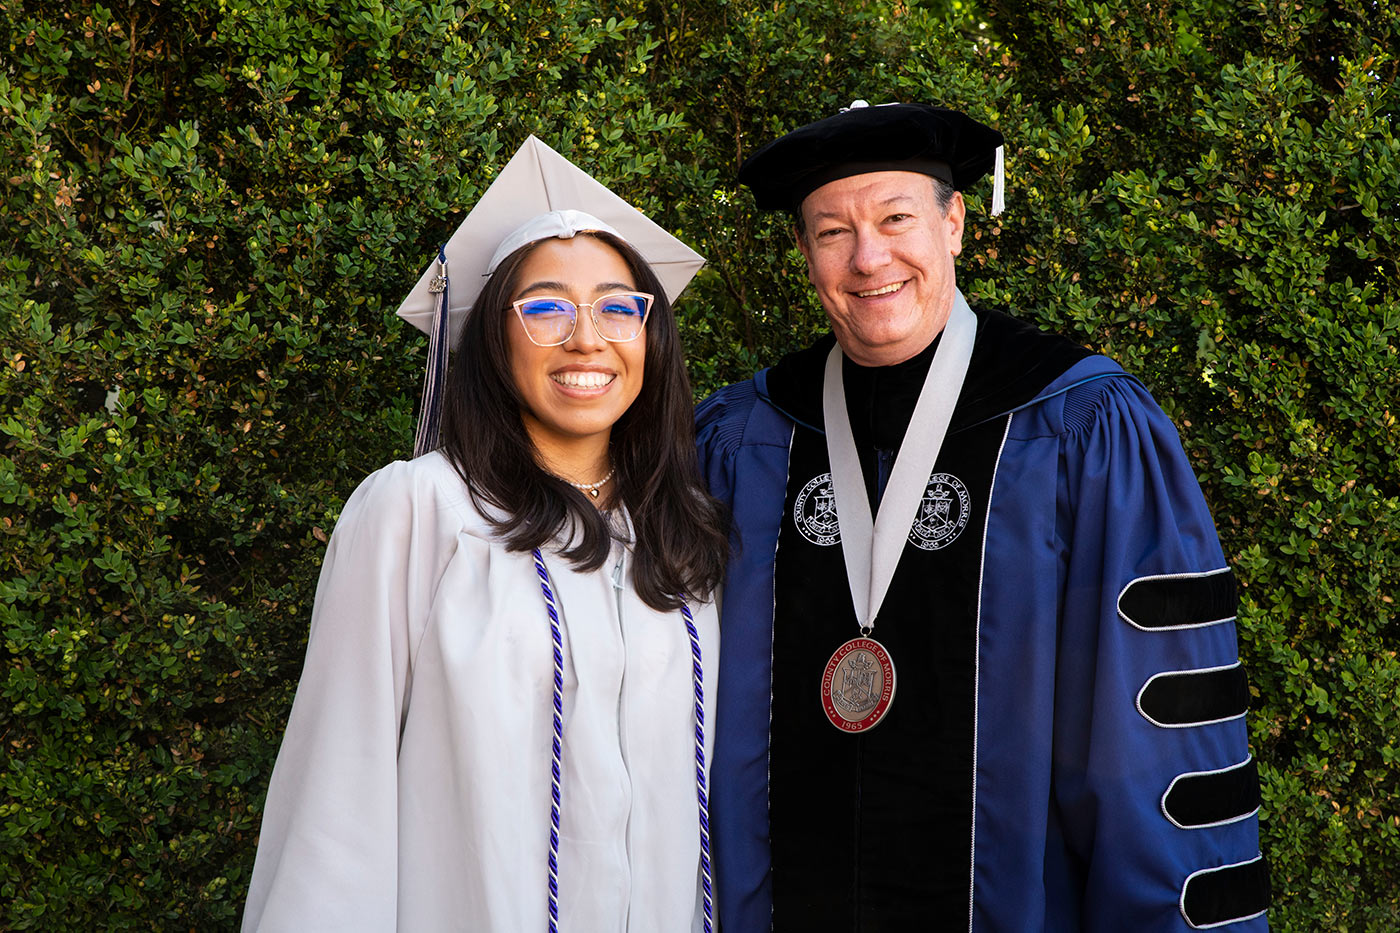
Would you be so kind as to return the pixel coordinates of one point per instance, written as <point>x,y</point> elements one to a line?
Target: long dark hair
<point>681,532</point>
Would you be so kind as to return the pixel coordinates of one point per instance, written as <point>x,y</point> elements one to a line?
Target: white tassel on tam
<point>425,439</point>
<point>999,184</point>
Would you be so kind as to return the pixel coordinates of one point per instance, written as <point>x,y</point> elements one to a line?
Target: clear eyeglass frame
<point>540,340</point>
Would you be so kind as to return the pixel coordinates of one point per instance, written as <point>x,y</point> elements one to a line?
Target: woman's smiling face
<point>576,391</point>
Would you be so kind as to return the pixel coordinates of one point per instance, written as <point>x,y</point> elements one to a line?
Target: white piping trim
<point>1181,901</point>
<point>772,640</point>
<point>977,671</point>
<point>1185,725</point>
<point>1169,576</point>
<point>1188,774</point>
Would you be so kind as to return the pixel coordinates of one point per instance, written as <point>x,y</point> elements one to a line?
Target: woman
<point>498,725</point>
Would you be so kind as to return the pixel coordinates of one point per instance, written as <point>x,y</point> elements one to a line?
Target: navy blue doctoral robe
<point>1111,783</point>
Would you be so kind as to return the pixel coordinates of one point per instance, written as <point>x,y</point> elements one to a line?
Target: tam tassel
<point>427,437</point>
<point>999,184</point>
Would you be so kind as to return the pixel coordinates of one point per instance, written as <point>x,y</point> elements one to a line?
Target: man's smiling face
<point>880,254</point>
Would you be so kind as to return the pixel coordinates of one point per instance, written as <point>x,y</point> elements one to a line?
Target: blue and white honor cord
<point>702,799</point>
<point>556,751</point>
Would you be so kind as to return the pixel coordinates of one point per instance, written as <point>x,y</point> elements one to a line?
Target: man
<point>979,667</point>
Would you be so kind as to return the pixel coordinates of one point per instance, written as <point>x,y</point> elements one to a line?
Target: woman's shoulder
<point>424,490</point>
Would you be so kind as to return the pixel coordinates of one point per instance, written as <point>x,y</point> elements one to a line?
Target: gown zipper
<point>617,583</point>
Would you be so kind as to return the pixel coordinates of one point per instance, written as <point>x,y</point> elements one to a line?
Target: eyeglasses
<point>550,321</point>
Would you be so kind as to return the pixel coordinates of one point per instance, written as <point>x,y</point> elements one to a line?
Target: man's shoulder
<point>742,413</point>
<point>730,404</point>
<point>1015,363</point>
<point>722,419</point>
<point>783,388</point>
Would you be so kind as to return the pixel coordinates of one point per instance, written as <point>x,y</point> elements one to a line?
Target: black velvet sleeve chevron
<point>1194,698</point>
<point>1209,798</point>
<point>1177,601</point>
<point>1228,894</point>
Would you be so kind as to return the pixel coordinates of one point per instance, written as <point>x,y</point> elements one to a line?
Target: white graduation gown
<point>412,788</point>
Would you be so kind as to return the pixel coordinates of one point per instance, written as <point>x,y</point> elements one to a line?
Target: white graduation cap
<point>538,194</point>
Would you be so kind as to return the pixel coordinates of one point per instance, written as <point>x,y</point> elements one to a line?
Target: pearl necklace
<point>592,488</point>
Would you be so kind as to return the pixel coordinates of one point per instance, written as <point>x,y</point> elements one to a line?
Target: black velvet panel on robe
<point>872,831</point>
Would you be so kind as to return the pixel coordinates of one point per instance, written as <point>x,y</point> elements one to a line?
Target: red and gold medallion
<point>858,685</point>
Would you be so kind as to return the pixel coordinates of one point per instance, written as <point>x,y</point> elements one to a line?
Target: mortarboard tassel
<point>999,184</point>
<point>430,413</point>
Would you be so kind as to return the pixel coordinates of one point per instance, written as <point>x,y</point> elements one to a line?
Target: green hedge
<point>212,207</point>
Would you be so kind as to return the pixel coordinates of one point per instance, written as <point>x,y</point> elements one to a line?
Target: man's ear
<point>802,243</point>
<point>804,247</point>
<point>957,214</point>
